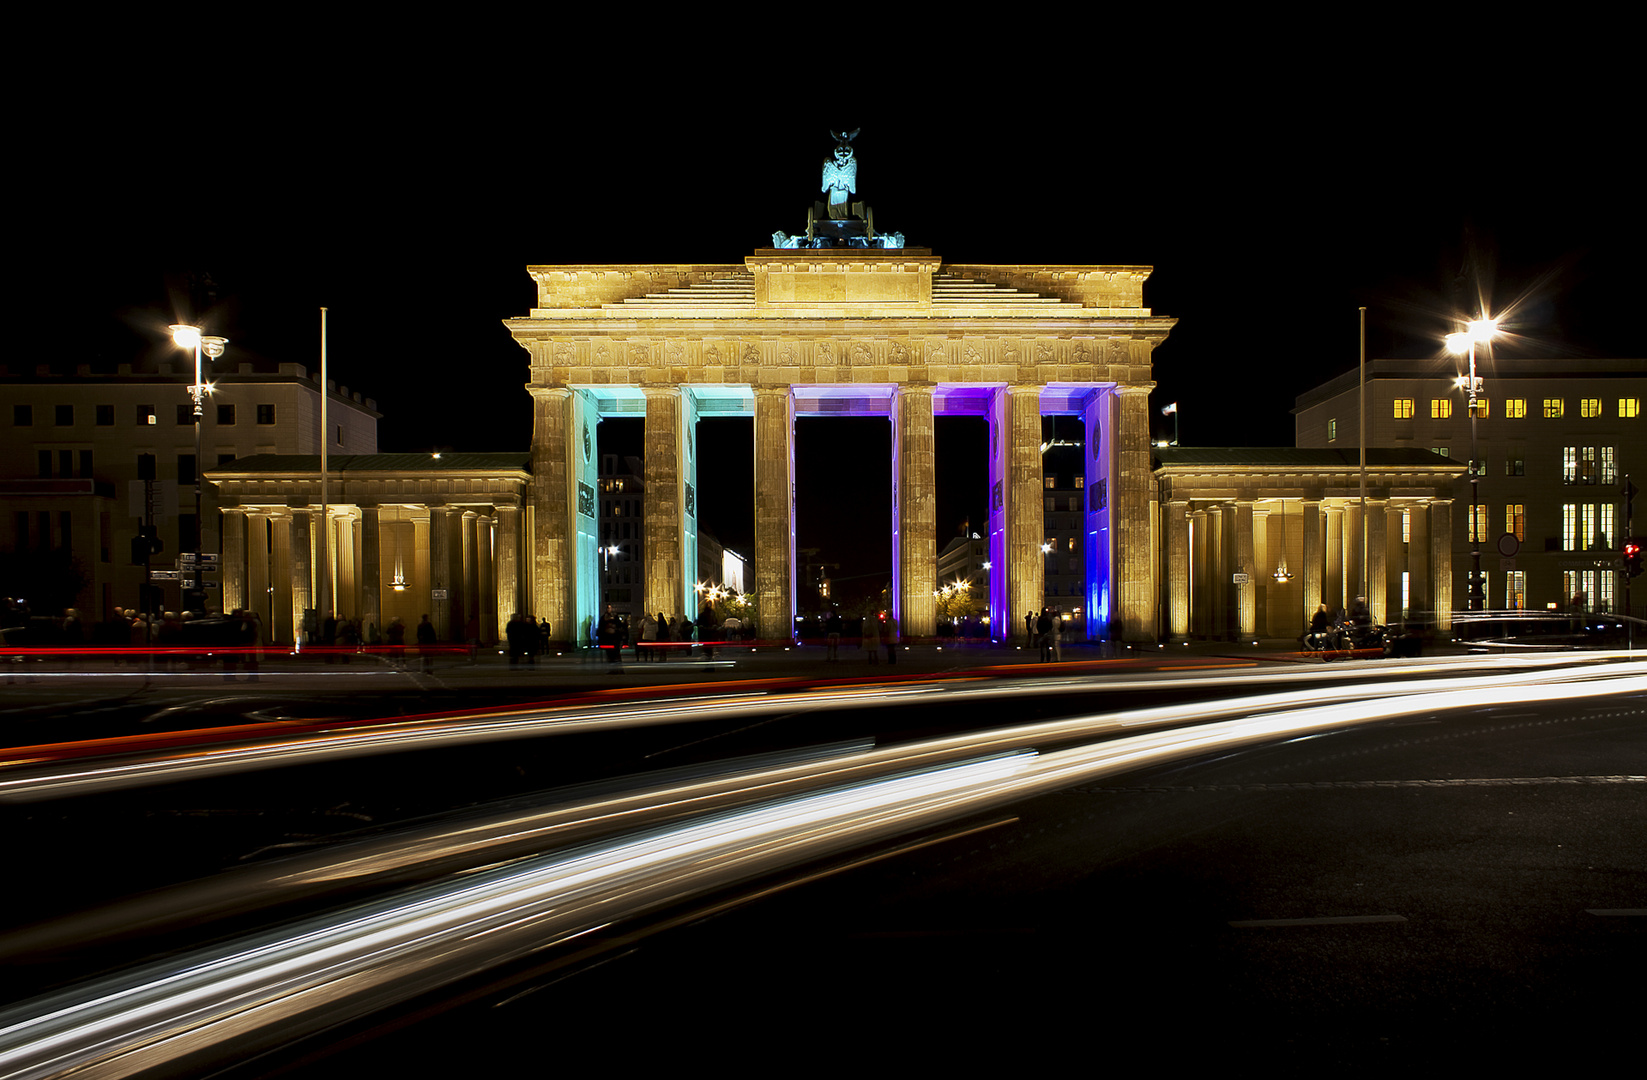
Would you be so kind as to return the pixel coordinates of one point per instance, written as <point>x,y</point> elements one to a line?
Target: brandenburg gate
<point>870,330</point>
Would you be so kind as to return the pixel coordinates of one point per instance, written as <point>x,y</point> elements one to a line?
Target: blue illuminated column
<point>1098,417</point>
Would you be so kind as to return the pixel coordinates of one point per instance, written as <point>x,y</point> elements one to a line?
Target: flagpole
<point>324,607</point>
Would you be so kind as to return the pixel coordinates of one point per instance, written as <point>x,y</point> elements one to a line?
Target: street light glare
<point>1458,343</point>
<point>1483,330</point>
<point>186,337</point>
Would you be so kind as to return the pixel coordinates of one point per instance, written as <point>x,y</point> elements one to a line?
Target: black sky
<point>406,177</point>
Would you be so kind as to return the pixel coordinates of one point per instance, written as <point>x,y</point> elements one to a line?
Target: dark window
<point>43,523</point>
<point>185,468</point>
<point>65,416</point>
<point>22,530</point>
<point>65,463</point>
<point>22,415</point>
<point>85,464</point>
<point>1515,466</point>
<point>225,415</point>
<point>145,467</point>
<point>65,528</point>
<point>186,538</point>
<point>185,415</point>
<point>42,459</point>
<point>265,414</point>
<point>105,416</point>
<point>224,459</point>
<point>145,414</point>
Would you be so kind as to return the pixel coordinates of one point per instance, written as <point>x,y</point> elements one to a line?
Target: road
<point>1349,892</point>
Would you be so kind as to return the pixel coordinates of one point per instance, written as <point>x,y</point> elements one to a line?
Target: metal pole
<point>1477,597</point>
<point>1361,429</point>
<point>192,577</point>
<point>323,607</point>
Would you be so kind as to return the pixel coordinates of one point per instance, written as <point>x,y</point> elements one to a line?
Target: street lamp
<point>1477,331</point>
<point>190,337</point>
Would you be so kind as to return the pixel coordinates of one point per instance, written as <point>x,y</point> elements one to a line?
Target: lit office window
<point>1604,592</point>
<point>1609,465</point>
<point>1604,527</point>
<point>1588,407</point>
<point>1403,408</point>
<point>1569,464</point>
<point>1587,523</point>
<point>1569,527</point>
<point>1478,523</point>
<point>1554,408</point>
<point>1515,589</point>
<point>1587,470</point>
<point>1515,520</point>
<point>1406,526</point>
<point>1441,408</point>
<point>1515,408</point>
<point>1481,409</point>
<point>1332,430</point>
<point>1629,408</point>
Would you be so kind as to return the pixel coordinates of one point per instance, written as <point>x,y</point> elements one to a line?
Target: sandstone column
<point>1246,593</point>
<point>1178,569</point>
<point>1025,511</point>
<point>1129,510</point>
<point>508,571</point>
<point>1441,562</point>
<point>1419,597</point>
<point>279,624</point>
<point>1354,539</point>
<point>661,507</point>
<point>234,559</point>
<point>1311,572</point>
<point>371,569</point>
<point>1336,535</point>
<point>470,611</point>
<point>915,479</point>
<point>775,512</point>
<point>1377,562</point>
<point>257,565</point>
<point>1200,579</point>
<point>302,580</point>
<point>486,591</point>
<point>1219,542</point>
<point>440,573</point>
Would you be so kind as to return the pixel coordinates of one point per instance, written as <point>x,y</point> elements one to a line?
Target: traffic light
<point>147,542</point>
<point>1632,557</point>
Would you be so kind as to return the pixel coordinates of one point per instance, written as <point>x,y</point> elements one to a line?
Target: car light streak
<point>29,774</point>
<point>279,985</point>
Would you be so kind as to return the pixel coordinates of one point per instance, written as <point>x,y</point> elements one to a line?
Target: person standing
<point>832,630</point>
<point>425,643</point>
<point>892,639</point>
<point>1043,635</point>
<point>871,638</point>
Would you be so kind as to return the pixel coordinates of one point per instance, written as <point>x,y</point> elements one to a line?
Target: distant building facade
<point>1556,440</point>
<point>74,440</point>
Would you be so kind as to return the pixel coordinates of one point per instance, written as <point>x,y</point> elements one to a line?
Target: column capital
<point>1135,389</point>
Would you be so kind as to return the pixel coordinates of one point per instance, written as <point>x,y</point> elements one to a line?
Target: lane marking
<point>1323,920</point>
<point>1617,912</point>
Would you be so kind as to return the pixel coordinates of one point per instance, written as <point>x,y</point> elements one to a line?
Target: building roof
<point>1300,458</point>
<point>1448,367</point>
<point>289,464</point>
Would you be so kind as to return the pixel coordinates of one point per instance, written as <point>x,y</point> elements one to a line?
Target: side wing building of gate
<point>891,332</point>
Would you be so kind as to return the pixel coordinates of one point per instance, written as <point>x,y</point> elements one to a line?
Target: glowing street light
<point>1475,332</point>
<point>190,337</point>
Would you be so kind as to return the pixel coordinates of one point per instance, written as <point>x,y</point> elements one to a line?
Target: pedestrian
<point>892,639</point>
<point>1043,635</point>
<point>1029,628</point>
<point>609,638</point>
<point>870,638</point>
<point>832,630</point>
<point>647,638</point>
<point>1057,636</point>
<point>397,642</point>
<point>708,631</point>
<point>426,643</point>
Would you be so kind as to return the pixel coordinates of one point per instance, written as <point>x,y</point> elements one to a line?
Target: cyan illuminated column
<point>775,512</point>
<point>914,480</point>
<point>234,559</point>
<point>1129,501</point>
<point>279,622</point>
<point>1017,576</point>
<point>1378,587</point>
<point>510,601</point>
<point>667,519</point>
<point>565,570</point>
<point>1178,569</point>
<point>302,560</point>
<point>371,568</point>
<point>1311,570</point>
<point>1441,562</point>
<point>1246,592</point>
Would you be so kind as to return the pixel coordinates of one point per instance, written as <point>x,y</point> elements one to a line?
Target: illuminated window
<point>1478,523</point>
<point>1554,408</point>
<point>1406,526</point>
<point>1071,544</point>
<point>1442,450</point>
<point>1587,523</point>
<point>1569,464</point>
<point>1588,407</point>
<point>1609,465</point>
<point>1441,408</point>
<point>1332,430</point>
<point>1481,409</point>
<point>1629,408</point>
<point>1080,482</point>
<point>1515,520</point>
<point>1587,465</point>
<point>1403,408</point>
<point>1515,589</point>
<point>1604,593</point>
<point>1569,527</point>
<point>1603,536</point>
<point>1048,482</point>
<point>1515,408</point>
<point>1570,587</point>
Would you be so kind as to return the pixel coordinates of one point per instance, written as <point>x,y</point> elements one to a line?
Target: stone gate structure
<point>843,330</point>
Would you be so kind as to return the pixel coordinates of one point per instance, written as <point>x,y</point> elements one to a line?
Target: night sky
<point>1275,184</point>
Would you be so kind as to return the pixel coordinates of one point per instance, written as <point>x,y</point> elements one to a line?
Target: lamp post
<point>1477,331</point>
<point>190,337</point>
<point>1172,411</point>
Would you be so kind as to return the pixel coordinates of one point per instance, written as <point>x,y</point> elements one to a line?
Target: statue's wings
<point>838,137</point>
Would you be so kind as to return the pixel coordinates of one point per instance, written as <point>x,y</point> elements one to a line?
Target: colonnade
<point>459,564</point>
<point>1221,558</point>
<point>565,543</point>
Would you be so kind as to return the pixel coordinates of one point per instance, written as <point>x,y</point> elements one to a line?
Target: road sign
<point>1240,579</point>
<point>164,575</point>
<point>208,559</point>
